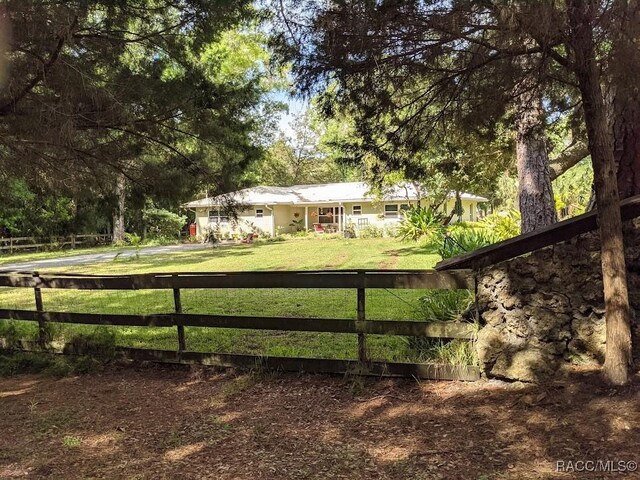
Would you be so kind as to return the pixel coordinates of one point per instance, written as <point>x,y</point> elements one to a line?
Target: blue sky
<point>296,106</point>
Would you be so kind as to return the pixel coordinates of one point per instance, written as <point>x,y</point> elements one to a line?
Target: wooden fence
<point>360,280</point>
<point>12,244</point>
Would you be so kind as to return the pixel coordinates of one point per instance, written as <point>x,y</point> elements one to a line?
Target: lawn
<point>294,254</point>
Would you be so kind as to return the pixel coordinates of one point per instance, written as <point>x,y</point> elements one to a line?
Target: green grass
<point>295,254</point>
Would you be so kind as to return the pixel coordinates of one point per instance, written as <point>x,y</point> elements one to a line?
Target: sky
<point>296,106</point>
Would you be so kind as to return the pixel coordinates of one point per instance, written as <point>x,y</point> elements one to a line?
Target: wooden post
<point>182,346</point>
<point>42,328</point>
<point>73,241</point>
<point>362,341</point>
<point>11,245</point>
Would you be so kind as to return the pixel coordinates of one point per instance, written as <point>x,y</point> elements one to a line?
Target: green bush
<point>371,231</point>
<point>161,223</point>
<point>445,305</point>
<point>132,239</point>
<point>461,240</point>
<point>421,222</point>
<point>502,225</point>
<point>101,344</point>
<point>23,362</point>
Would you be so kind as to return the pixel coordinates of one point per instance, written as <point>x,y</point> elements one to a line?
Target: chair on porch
<point>363,222</point>
<point>318,228</point>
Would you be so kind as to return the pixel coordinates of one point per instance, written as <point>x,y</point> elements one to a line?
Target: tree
<point>582,15</point>
<point>98,91</point>
<point>298,160</point>
<point>168,97</point>
<point>535,193</point>
<point>407,66</point>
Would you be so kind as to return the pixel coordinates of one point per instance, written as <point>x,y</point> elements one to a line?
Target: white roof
<point>314,194</point>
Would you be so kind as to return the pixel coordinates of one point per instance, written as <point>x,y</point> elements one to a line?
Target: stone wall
<point>546,309</point>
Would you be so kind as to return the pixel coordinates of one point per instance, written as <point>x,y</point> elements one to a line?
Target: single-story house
<point>329,207</point>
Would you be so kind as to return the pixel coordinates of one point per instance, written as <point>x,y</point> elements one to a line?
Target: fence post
<point>11,245</point>
<point>182,346</point>
<point>73,241</point>
<point>42,328</point>
<point>362,341</point>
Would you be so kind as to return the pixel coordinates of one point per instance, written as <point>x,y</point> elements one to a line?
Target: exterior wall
<point>283,215</point>
<point>245,221</point>
<point>547,309</point>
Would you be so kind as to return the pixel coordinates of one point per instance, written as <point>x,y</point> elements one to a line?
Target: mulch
<point>172,422</point>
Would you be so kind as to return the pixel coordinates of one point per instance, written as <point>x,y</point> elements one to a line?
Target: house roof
<point>313,194</point>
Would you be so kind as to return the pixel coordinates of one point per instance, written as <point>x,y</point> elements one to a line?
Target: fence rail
<point>12,244</point>
<point>361,280</point>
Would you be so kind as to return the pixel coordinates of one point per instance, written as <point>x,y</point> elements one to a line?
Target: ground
<point>311,253</point>
<point>159,422</point>
<point>36,261</point>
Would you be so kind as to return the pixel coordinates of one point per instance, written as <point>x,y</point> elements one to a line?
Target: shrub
<point>101,343</point>
<point>445,305</point>
<point>421,222</point>
<point>132,239</point>
<point>162,223</point>
<point>461,240</point>
<point>502,225</point>
<point>371,231</point>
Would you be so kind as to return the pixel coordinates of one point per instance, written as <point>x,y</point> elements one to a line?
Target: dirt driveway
<point>158,422</point>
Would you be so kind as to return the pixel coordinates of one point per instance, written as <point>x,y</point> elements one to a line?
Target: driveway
<point>99,257</point>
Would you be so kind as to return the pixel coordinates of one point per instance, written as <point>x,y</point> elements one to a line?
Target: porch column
<point>340,217</point>
<point>306,217</point>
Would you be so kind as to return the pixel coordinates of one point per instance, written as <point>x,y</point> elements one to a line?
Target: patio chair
<point>318,228</point>
<point>363,222</point>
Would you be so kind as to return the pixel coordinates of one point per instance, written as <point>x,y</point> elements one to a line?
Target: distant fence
<point>360,280</point>
<point>13,244</point>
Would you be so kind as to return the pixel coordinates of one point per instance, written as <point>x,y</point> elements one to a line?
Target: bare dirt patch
<point>391,262</point>
<point>176,423</point>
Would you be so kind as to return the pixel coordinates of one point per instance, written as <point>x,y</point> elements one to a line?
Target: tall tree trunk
<point>118,216</point>
<point>581,15</point>
<point>535,193</point>
<point>624,95</point>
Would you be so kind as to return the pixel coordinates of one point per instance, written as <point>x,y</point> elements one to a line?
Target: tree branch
<point>10,106</point>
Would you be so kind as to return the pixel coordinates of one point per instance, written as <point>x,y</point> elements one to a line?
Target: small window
<point>356,210</point>
<point>218,216</point>
<point>471,212</point>
<point>391,211</point>
<point>259,212</point>
<point>404,207</point>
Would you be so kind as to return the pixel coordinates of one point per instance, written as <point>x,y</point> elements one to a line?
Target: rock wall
<point>546,309</point>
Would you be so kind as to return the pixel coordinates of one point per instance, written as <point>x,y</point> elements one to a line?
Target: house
<point>326,207</point>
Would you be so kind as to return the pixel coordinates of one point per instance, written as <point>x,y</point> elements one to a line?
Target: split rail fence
<point>360,280</point>
<point>12,244</point>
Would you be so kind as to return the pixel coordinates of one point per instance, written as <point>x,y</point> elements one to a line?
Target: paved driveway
<point>99,257</point>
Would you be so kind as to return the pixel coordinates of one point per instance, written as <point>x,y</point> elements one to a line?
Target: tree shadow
<point>286,426</point>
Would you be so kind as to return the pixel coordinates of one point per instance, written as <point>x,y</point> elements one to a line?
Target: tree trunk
<point>624,96</point>
<point>626,141</point>
<point>535,193</point>
<point>581,14</point>
<point>118,217</point>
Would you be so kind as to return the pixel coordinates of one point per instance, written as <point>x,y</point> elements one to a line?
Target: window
<point>404,207</point>
<point>218,216</point>
<point>391,211</point>
<point>356,210</point>
<point>471,212</point>
<point>259,212</point>
<point>330,214</point>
